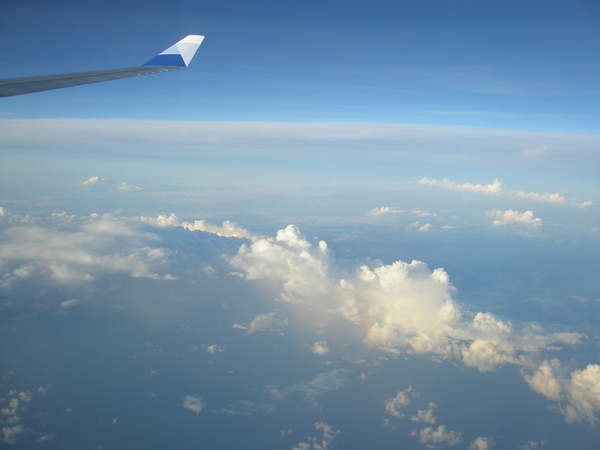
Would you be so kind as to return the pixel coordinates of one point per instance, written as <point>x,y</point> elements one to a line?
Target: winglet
<point>179,54</point>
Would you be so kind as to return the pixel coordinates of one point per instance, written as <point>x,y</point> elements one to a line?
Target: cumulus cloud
<point>395,405</point>
<point>320,348</point>
<point>227,229</point>
<point>549,198</point>
<point>162,220</point>
<point>407,306</point>
<point>440,435</point>
<point>78,250</point>
<point>425,415</point>
<point>194,404</point>
<point>482,443</point>
<point>577,392</point>
<point>264,322</point>
<point>494,187</point>
<point>385,210</point>
<point>213,349</point>
<point>315,443</point>
<point>93,180</point>
<point>511,217</point>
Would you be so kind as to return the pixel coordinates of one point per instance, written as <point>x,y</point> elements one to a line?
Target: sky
<point>346,224</point>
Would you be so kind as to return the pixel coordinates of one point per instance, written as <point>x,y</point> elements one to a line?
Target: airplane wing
<point>178,56</point>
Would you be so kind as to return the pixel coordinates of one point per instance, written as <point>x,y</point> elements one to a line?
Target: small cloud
<point>427,228</point>
<point>385,210</point>
<point>583,205</point>
<point>425,415</point>
<point>320,348</point>
<point>127,187</point>
<point>314,443</point>
<point>511,217</point>
<point>1,211</point>
<point>93,180</point>
<point>263,322</point>
<point>212,349</point>
<point>482,443</point>
<point>194,404</point>
<point>11,434</point>
<point>429,436</point>
<point>394,406</point>
<point>549,198</point>
<point>493,188</point>
<point>227,229</point>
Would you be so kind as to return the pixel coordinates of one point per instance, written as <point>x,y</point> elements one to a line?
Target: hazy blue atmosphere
<point>346,224</point>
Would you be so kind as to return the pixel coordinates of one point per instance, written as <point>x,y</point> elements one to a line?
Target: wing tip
<point>179,54</point>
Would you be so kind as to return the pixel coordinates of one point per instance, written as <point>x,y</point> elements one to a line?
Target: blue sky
<point>344,225</point>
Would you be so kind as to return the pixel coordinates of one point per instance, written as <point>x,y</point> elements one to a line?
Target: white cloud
<point>385,210</point>
<point>194,404</point>
<point>382,210</point>
<point>78,250</point>
<point>493,188</point>
<point>228,229</point>
<point>93,180</point>
<point>482,443</point>
<point>583,205</point>
<point>162,220</point>
<point>395,405</point>
<point>511,217</point>
<point>314,443</point>
<point>320,348</point>
<point>549,198</point>
<point>577,393</point>
<point>425,415</point>
<point>128,187</point>
<point>264,322</point>
<point>11,434</point>
<point>213,349</point>
<point>430,436</point>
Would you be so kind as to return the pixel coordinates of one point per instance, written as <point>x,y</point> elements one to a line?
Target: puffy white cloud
<point>425,415</point>
<point>93,180</point>
<point>493,188</point>
<point>577,393</point>
<point>385,210</point>
<point>408,306</point>
<point>511,217</point>
<point>162,220</point>
<point>314,443</point>
<point>213,349</point>
<point>430,436</point>
<point>77,250</point>
<point>228,229</point>
<point>11,434</point>
<point>549,198</point>
<point>264,322</point>
<point>320,348</point>
<point>584,205</point>
<point>194,404</point>
<point>482,443</point>
<point>395,405</point>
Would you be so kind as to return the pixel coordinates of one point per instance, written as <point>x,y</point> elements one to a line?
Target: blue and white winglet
<point>178,56</point>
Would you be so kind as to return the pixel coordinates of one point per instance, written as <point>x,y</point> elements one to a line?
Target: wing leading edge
<point>178,56</point>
